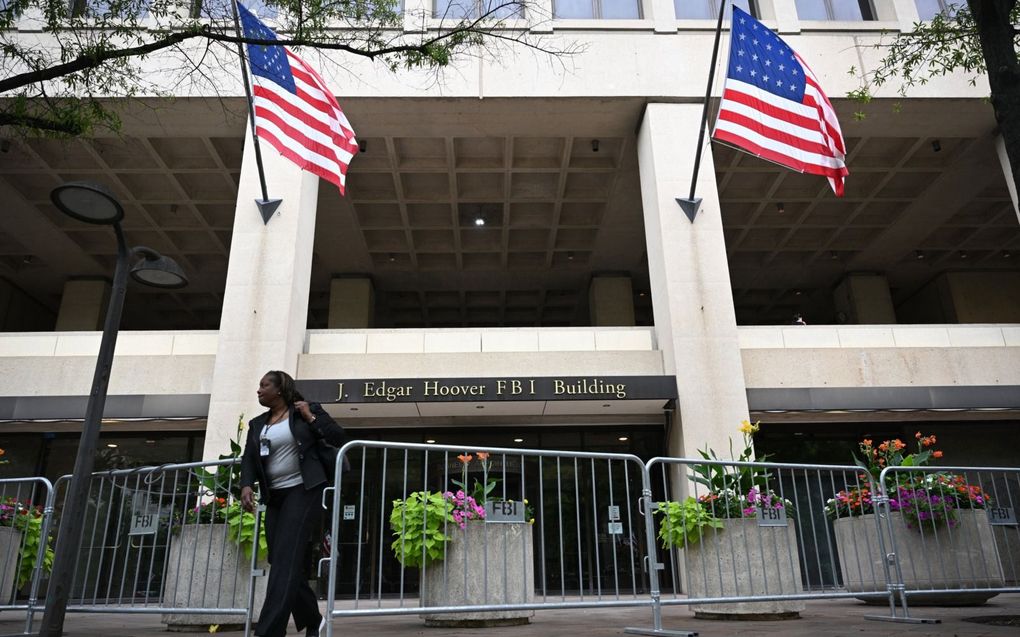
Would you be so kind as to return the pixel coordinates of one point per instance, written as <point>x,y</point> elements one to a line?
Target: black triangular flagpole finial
<point>689,206</point>
<point>267,207</point>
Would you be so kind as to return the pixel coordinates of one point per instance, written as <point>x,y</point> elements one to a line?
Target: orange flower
<point>884,446</point>
<point>866,442</point>
<point>936,454</point>
<point>881,462</point>
<point>898,444</point>
<point>918,435</point>
<point>483,455</point>
<point>465,458</point>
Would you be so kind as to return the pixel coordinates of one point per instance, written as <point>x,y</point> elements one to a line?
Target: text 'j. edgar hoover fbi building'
<point>509,265</point>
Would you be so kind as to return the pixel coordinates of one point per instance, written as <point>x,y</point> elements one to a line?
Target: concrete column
<point>787,19</point>
<point>416,15</point>
<point>692,298</point>
<point>662,13</point>
<point>611,301</point>
<point>351,303</point>
<point>265,302</point>
<point>83,305</point>
<point>1007,172</point>
<point>865,299</point>
<point>904,12</point>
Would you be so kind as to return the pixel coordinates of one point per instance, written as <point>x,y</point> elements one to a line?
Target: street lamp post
<point>94,204</point>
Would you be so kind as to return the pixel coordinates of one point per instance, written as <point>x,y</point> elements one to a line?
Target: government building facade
<point>510,267</point>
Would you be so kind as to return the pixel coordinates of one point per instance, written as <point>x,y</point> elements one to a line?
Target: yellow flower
<point>747,428</point>
<point>525,500</point>
<point>531,521</point>
<point>214,628</point>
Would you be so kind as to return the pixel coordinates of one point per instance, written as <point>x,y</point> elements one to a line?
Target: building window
<point>467,9</point>
<point>709,9</point>
<point>835,10</point>
<point>928,9</point>
<point>596,9</point>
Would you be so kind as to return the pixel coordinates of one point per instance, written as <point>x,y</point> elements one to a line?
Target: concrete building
<point>515,222</point>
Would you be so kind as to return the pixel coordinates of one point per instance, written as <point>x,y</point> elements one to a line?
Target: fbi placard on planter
<point>504,511</point>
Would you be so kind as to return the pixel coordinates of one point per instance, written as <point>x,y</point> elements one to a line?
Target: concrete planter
<point>485,564</point>
<point>958,558</point>
<point>205,569</point>
<point>10,555</point>
<point>744,559</point>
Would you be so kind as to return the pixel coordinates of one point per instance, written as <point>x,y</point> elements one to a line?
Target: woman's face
<point>268,391</point>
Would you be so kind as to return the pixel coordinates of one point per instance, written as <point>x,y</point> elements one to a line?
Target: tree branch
<point>39,123</point>
<point>96,59</point>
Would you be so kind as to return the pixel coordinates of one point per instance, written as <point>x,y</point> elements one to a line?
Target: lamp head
<point>156,270</point>
<point>88,202</point>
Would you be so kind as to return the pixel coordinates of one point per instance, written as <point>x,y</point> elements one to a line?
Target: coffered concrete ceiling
<point>555,182</point>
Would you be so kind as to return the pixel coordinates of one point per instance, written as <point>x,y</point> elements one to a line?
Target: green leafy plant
<point>225,480</point>
<point>741,479</point>
<point>737,491</point>
<point>419,523</point>
<point>28,520</point>
<point>241,523</point>
<point>684,523</point>
<point>221,503</point>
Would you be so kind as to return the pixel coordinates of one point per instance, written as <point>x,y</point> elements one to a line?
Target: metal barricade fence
<point>756,538</point>
<point>169,540</point>
<point>953,533</point>
<point>559,530</point>
<point>26,506</point>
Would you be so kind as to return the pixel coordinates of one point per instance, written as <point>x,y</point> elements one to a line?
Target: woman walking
<point>284,453</point>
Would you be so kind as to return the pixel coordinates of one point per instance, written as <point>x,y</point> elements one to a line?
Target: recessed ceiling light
<point>430,441</point>
<point>780,208</point>
<point>150,442</point>
<point>622,438</point>
<point>479,221</point>
<point>479,406</point>
<point>518,439</point>
<point>354,408</point>
<point>606,405</point>
<point>111,445</point>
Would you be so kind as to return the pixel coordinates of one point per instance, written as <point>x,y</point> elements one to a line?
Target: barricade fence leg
<point>893,566</point>
<point>653,566</point>
<point>40,560</point>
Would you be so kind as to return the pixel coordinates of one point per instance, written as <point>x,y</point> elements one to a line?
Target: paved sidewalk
<point>837,618</point>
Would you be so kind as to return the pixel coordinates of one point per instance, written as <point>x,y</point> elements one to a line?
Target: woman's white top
<point>282,464</point>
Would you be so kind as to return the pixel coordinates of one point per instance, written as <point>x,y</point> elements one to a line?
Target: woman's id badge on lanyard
<point>264,447</point>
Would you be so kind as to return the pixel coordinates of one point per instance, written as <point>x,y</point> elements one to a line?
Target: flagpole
<point>691,204</point>
<point>266,205</point>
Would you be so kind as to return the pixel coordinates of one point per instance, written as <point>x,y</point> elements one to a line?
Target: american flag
<point>773,107</point>
<point>294,110</point>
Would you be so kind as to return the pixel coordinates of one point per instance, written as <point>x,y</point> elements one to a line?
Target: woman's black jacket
<point>313,457</point>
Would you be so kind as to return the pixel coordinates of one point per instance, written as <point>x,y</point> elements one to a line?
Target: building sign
<point>414,390</point>
<point>503,511</point>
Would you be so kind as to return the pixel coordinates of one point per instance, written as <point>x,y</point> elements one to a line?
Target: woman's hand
<point>305,410</point>
<point>247,499</point>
